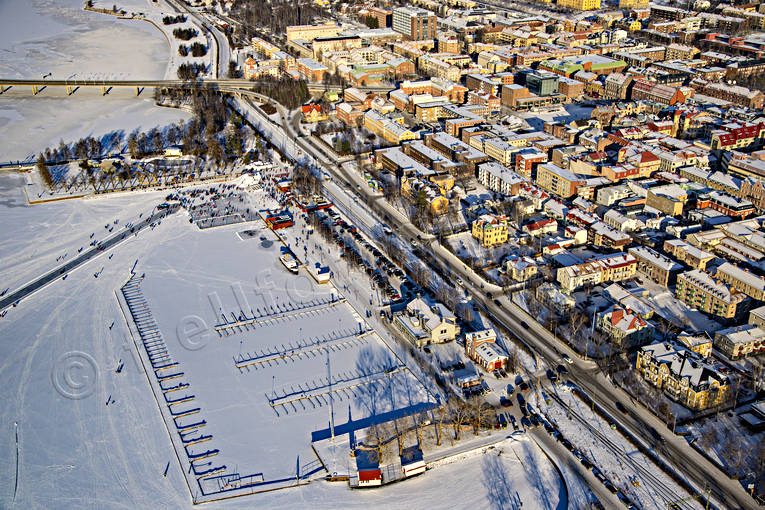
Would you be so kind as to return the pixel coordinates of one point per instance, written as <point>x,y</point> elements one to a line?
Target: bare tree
<point>441,415</point>
<point>460,415</point>
<point>480,412</point>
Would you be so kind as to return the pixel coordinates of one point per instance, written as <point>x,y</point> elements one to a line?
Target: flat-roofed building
<point>557,180</point>
<point>310,32</point>
<point>499,179</point>
<point>415,23</point>
<point>310,69</point>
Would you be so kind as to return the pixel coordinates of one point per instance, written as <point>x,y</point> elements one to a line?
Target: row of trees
<point>83,148</point>
<point>429,425</point>
<point>197,49</point>
<point>372,22</point>
<point>274,16</point>
<point>172,20</point>
<point>153,142</point>
<point>290,93</point>
<point>185,34</point>
<point>190,71</point>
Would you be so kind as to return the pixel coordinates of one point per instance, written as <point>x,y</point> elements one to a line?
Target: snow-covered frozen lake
<point>38,37</point>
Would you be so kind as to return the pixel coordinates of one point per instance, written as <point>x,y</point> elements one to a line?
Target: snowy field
<point>29,125</point>
<point>35,239</point>
<point>58,37</point>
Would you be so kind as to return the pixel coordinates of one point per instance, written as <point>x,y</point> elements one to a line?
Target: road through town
<point>687,463</point>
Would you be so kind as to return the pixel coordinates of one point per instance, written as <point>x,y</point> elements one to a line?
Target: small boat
<point>289,261</point>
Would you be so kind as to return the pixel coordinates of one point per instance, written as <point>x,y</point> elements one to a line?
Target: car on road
<point>498,303</point>
<point>567,359</point>
<point>561,369</point>
<point>459,281</point>
<point>524,325</point>
<point>497,374</point>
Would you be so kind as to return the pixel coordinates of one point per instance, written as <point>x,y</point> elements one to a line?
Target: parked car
<point>567,359</point>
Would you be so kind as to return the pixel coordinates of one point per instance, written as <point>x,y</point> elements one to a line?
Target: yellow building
<point>490,230</point>
<point>682,375</point>
<point>445,182</point>
<point>310,32</point>
<point>424,323</point>
<point>391,130</point>
<point>313,113</point>
<point>580,5</point>
<point>557,180</point>
<point>699,290</point>
<point>437,203</point>
<point>700,344</point>
<point>633,4</point>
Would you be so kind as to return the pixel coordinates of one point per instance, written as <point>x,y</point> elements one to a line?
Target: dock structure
<point>310,347</point>
<point>239,323</point>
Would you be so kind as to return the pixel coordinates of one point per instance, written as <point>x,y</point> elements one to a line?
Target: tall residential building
<point>417,24</point>
<point>699,290</point>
